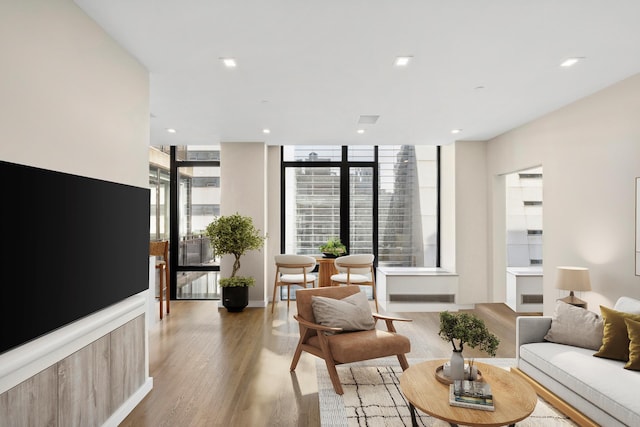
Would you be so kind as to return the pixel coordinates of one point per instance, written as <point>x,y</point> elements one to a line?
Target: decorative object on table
<point>333,248</point>
<point>573,279</point>
<point>464,328</point>
<point>443,373</point>
<point>234,235</point>
<point>471,394</point>
<point>472,372</point>
<point>456,365</point>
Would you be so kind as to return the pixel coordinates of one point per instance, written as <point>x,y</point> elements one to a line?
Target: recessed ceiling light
<point>170,130</point>
<point>569,62</point>
<point>360,131</point>
<point>454,131</point>
<point>229,62</point>
<point>265,130</point>
<point>402,61</point>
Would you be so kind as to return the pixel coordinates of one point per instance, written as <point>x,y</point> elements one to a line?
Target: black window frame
<point>344,164</point>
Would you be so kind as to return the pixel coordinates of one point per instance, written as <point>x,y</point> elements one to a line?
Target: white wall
<point>590,153</point>
<point>273,212</point>
<point>71,99</point>
<point>243,178</point>
<point>471,222</point>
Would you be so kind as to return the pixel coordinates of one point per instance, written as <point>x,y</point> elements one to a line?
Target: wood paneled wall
<point>83,389</point>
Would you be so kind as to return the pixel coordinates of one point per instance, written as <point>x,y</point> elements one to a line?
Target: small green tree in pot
<point>235,235</point>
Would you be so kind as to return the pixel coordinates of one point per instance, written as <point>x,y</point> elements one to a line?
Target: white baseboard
<point>125,409</point>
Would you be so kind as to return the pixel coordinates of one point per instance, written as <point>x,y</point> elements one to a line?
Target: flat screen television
<point>69,246</point>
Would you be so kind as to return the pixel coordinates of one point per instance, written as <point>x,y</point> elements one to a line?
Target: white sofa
<point>600,389</point>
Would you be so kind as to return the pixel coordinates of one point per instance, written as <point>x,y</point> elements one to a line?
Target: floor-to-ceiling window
<point>196,185</point>
<point>185,198</point>
<point>381,200</point>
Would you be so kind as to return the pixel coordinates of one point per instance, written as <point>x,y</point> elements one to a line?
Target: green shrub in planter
<point>234,235</point>
<point>237,281</point>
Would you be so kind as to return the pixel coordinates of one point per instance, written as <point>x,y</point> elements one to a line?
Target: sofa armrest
<point>530,329</point>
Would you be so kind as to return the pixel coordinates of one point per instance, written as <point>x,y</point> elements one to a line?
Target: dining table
<point>326,269</point>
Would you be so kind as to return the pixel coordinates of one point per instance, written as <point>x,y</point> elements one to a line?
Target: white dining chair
<point>356,270</point>
<point>292,270</point>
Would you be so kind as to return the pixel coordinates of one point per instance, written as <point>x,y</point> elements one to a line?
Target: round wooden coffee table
<point>513,398</point>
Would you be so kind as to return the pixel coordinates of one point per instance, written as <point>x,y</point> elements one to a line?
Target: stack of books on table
<point>471,394</point>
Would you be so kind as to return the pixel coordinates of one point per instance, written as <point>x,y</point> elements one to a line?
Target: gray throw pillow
<point>575,326</point>
<point>352,313</point>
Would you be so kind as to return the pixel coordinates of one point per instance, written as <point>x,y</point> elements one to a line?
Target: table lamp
<point>573,279</point>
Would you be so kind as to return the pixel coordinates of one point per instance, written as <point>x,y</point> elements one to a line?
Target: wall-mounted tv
<point>69,246</point>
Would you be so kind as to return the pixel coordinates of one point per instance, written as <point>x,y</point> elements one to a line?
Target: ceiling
<point>308,69</point>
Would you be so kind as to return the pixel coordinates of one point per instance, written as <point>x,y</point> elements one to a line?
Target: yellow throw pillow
<point>615,341</point>
<point>633,330</point>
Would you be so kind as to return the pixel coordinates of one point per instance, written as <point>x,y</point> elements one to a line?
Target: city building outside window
<point>381,200</point>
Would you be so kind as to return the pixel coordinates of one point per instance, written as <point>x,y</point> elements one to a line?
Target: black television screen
<point>70,246</point>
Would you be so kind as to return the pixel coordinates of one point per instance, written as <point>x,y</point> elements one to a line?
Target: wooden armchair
<point>337,347</point>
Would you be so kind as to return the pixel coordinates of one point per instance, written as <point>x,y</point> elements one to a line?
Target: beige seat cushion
<point>363,345</point>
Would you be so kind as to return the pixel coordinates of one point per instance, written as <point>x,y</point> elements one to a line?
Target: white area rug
<point>372,397</point>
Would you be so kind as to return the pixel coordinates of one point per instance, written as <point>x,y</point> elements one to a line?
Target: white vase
<point>456,365</point>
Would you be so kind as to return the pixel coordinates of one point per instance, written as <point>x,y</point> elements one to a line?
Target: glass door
<point>197,172</point>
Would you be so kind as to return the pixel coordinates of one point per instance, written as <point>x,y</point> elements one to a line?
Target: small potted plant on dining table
<point>333,248</point>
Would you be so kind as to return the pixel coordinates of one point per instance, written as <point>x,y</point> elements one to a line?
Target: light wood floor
<point>214,368</point>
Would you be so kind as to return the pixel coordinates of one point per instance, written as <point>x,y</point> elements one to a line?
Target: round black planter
<point>235,298</point>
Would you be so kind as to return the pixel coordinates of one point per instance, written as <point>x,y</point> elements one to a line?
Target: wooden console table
<point>326,269</point>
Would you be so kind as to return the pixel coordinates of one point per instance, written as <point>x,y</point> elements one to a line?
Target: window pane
<point>198,153</point>
<point>198,206</point>
<point>312,153</point>
<point>361,153</point>
<point>312,208</point>
<point>198,285</point>
<point>407,206</point>
<point>361,210</point>
<point>159,203</point>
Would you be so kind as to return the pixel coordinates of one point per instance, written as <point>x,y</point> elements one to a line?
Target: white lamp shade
<point>573,279</point>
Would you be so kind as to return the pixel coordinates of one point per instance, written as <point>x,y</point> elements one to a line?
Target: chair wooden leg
<point>168,286</point>
<point>403,362</point>
<point>273,302</point>
<point>296,356</point>
<point>161,295</point>
<point>333,374</point>
<point>331,366</point>
<point>288,295</point>
<point>375,296</point>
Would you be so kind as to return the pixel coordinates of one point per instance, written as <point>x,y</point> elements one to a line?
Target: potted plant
<point>235,235</point>
<point>333,248</point>
<point>461,329</point>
